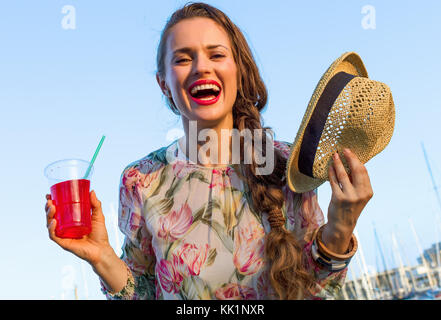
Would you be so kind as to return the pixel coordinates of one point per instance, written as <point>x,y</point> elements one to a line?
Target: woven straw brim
<point>349,62</point>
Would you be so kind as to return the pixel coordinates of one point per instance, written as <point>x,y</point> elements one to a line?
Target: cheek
<point>230,75</point>
<point>176,77</point>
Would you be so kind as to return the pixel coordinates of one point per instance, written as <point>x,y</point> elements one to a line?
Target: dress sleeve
<point>304,216</point>
<point>137,251</point>
<point>309,217</point>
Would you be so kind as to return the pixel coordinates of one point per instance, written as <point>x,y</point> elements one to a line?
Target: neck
<point>209,143</point>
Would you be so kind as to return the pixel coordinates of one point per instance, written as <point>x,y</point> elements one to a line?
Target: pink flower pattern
<point>175,224</point>
<point>169,276</point>
<point>131,187</point>
<point>136,220</point>
<point>194,256</point>
<point>221,178</point>
<point>234,291</point>
<point>190,251</point>
<point>147,246</point>
<point>181,169</point>
<point>248,249</point>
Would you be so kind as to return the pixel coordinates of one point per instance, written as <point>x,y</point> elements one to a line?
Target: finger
<point>52,236</point>
<point>48,199</point>
<point>97,212</point>
<point>48,204</point>
<point>335,186</point>
<point>340,173</point>
<point>50,213</point>
<point>359,173</point>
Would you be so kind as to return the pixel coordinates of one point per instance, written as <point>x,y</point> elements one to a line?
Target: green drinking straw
<point>94,157</point>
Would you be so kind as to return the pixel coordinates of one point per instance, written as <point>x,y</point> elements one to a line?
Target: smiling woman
<point>196,54</point>
<point>216,230</point>
<point>200,44</point>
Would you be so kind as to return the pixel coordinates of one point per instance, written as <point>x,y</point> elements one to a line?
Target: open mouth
<point>205,92</point>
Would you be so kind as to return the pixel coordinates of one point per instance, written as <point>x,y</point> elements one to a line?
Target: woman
<point>197,228</point>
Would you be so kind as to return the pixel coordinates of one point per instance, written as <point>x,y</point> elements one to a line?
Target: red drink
<point>72,202</point>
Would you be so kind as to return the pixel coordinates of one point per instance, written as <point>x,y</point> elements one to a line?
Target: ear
<point>163,86</point>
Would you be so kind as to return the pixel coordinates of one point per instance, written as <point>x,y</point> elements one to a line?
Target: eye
<point>218,56</point>
<point>182,60</point>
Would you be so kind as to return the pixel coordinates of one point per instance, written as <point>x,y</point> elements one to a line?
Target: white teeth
<point>208,98</point>
<point>204,87</point>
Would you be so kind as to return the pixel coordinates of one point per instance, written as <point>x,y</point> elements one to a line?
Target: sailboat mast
<point>389,282</point>
<point>364,282</point>
<point>438,258</point>
<point>377,279</point>
<point>435,188</point>
<point>359,294</point>
<point>414,283</point>
<point>438,198</point>
<point>402,273</point>
<point>370,288</point>
<point>351,289</point>
<point>429,276</point>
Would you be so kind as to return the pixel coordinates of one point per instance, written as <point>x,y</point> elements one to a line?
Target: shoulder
<point>151,163</point>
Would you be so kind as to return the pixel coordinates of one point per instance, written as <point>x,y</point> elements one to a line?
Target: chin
<point>213,119</point>
<point>209,112</point>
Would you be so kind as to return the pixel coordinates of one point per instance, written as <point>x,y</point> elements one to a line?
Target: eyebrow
<point>187,49</point>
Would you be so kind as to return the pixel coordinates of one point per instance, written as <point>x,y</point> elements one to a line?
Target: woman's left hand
<point>350,194</point>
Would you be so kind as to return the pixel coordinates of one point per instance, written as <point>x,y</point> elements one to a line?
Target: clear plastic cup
<point>70,196</point>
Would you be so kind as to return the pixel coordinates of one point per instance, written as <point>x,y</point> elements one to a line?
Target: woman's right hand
<point>93,247</point>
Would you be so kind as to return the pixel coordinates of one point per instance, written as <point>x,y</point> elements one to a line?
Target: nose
<point>202,65</point>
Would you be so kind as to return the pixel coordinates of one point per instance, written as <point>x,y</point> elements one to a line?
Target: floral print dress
<point>191,234</point>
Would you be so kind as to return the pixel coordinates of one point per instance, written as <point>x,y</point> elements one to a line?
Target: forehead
<point>196,32</point>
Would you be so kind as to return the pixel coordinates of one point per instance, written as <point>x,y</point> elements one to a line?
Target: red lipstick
<point>205,102</point>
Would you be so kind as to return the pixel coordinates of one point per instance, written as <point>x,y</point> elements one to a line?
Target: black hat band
<point>314,129</point>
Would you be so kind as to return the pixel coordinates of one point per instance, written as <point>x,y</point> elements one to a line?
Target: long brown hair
<point>283,254</point>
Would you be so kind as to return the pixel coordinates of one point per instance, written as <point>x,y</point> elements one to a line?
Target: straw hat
<point>346,110</point>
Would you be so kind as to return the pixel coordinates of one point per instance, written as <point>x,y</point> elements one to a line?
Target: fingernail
<point>336,155</point>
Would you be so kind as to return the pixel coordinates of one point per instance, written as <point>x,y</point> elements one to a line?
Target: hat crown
<point>354,112</point>
<point>358,120</point>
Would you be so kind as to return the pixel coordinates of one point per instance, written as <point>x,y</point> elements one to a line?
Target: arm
<point>138,267</point>
<point>112,271</point>
<point>137,263</point>
<point>344,209</point>
<point>350,194</point>
<point>94,247</point>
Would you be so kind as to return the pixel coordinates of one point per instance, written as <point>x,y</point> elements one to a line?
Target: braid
<point>282,251</point>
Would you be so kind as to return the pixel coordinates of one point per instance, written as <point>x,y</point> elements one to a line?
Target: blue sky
<point>61,89</point>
